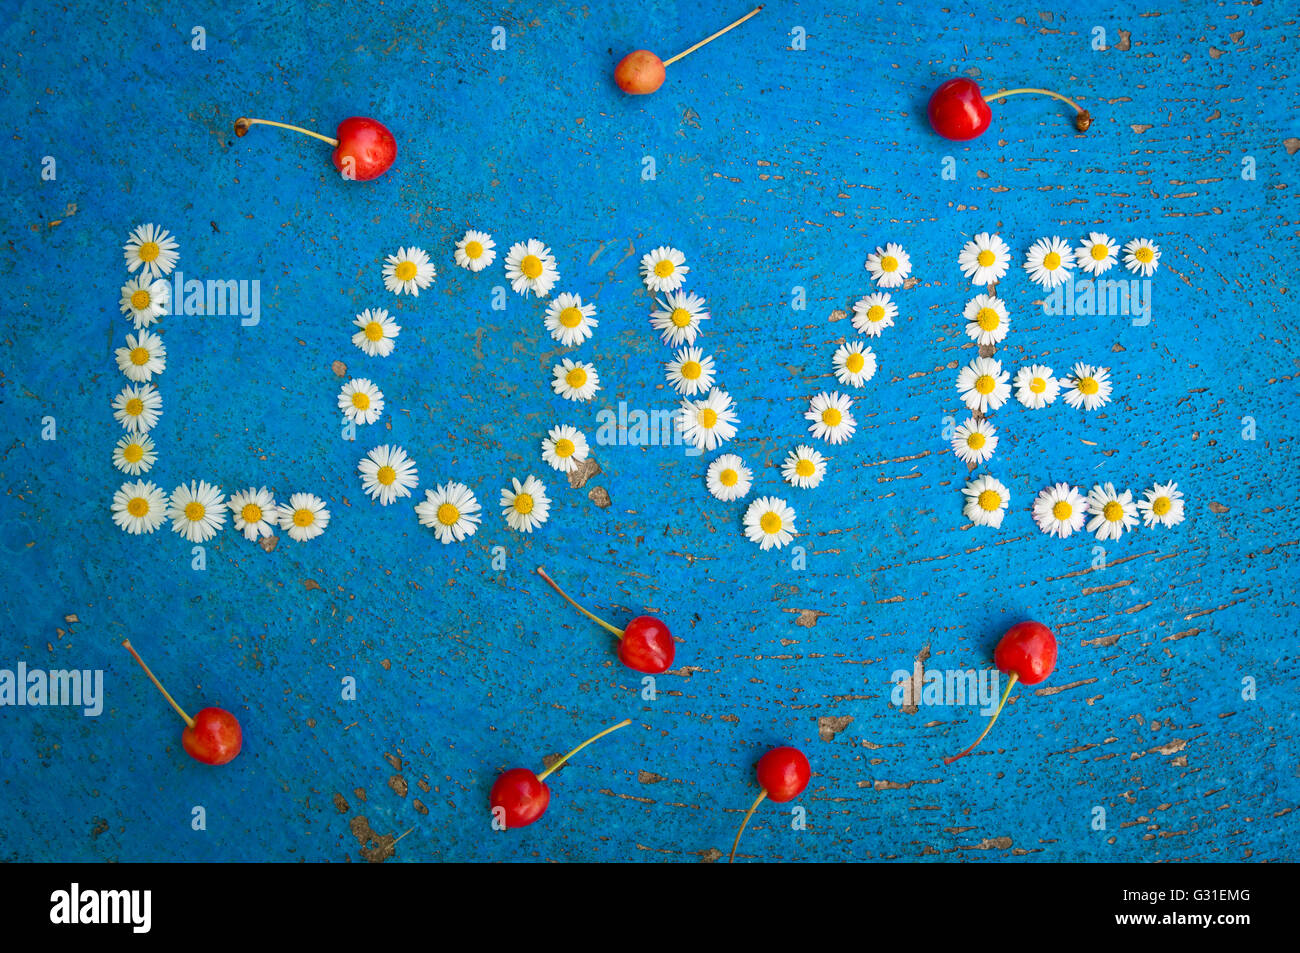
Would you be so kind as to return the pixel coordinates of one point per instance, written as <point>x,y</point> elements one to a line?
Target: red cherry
<point>783,774</point>
<point>959,111</point>
<point>214,737</point>
<point>642,72</point>
<point>645,645</point>
<point>363,150</point>
<point>1027,652</point>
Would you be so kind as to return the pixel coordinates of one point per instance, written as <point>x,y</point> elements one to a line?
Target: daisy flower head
<point>139,507</point>
<point>197,510</point>
<point>854,363</point>
<point>830,417</point>
<point>569,320</point>
<point>679,316</point>
<point>150,250</point>
<point>134,453</point>
<point>986,319</point>
<point>564,447</point>
<point>575,380</point>
<point>1161,505</point>
<point>1143,256</point>
<point>728,478</point>
<point>527,506</point>
<point>409,271</point>
<point>1096,255</point>
<point>983,384</point>
<point>1035,386</point>
<point>451,510</point>
<point>530,267</point>
<point>1049,262</point>
<point>1060,510</point>
<point>889,266</point>
<point>804,467</point>
<point>709,421</point>
<point>144,300</point>
<point>387,473</point>
<point>974,441</point>
<point>475,251</point>
<point>986,501</point>
<point>377,334</point>
<point>255,512</point>
<point>305,517</point>
<point>138,407</point>
<point>984,259</point>
<point>690,372</point>
<point>361,401</point>
<point>769,521</point>
<point>1112,512</point>
<point>874,313</point>
<point>1088,387</point>
<point>143,357</point>
<point>663,269</point>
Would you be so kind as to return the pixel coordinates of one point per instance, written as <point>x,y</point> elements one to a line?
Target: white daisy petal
<point>1060,510</point>
<point>143,357</point>
<point>378,332</point>
<point>728,478</point>
<point>305,517</point>
<point>974,441</point>
<point>986,320</point>
<point>1088,387</point>
<point>151,251</point>
<point>874,313</point>
<point>1096,254</point>
<point>804,467</point>
<point>1035,386</point>
<point>854,363</point>
<point>986,501</point>
<point>889,266</point>
<point>664,269</point>
<point>361,401</point>
<point>530,268</point>
<point>708,422</point>
<point>569,320</point>
<point>387,474</point>
<point>139,507</point>
<point>255,512</point>
<point>451,510</point>
<point>830,417</point>
<point>769,521</point>
<point>527,506</point>
<point>144,300</point>
<point>575,380</point>
<point>1161,505</point>
<point>134,453</point>
<point>197,511</point>
<point>1142,256</point>
<point>1112,513</point>
<point>409,271</point>
<point>678,318</point>
<point>475,251</point>
<point>565,447</point>
<point>137,407</point>
<point>1049,262</point>
<point>983,384</point>
<point>690,372</point>
<point>984,259</point>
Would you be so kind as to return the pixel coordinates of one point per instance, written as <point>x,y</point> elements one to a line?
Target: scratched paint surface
<point>775,168</point>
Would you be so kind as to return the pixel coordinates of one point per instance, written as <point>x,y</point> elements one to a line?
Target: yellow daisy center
<point>564,447</point>
<point>360,400</point>
<point>571,317</point>
<point>976,441</point>
<point>133,453</point>
<point>576,378</point>
<point>1088,385</point>
<point>140,299</point>
<point>681,317</point>
<point>876,313</point>
<point>195,511</point>
<point>531,266</point>
<point>386,476</point>
<point>1051,261</point>
<point>1099,252</point>
<point>889,263</point>
<point>771,523</point>
<point>1144,255</point>
<point>708,418</point>
<point>448,514</point>
<point>303,517</point>
<point>135,407</point>
<point>374,331</point>
<point>1062,510</point>
<point>138,506</point>
<point>473,250</point>
<point>985,258</point>
<point>988,319</point>
<point>404,271</point>
<point>989,500</point>
<point>1038,385</point>
<point>985,383</point>
<point>855,362</point>
<point>148,251</point>
<point>831,417</point>
<point>139,356</point>
<point>1161,505</point>
<point>664,268</point>
<point>1113,511</point>
<point>805,468</point>
<point>523,503</point>
<point>692,370</point>
<point>728,477</point>
<point>251,513</point>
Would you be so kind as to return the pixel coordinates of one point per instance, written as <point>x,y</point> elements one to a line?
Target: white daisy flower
<point>139,507</point>
<point>569,320</point>
<point>663,269</point>
<point>150,250</point>
<point>1049,262</point>
<point>678,318</point>
<point>804,467</point>
<point>986,501</point>
<point>728,478</point>
<point>830,417</point>
<point>874,313</point>
<point>690,372</point>
<point>769,521</point>
<point>709,421</point>
<point>409,271</point>
<point>564,447</point>
<point>974,441</point>
<point>305,517</point>
<point>889,266</point>
<point>138,407</point>
<point>530,266</point>
<point>983,384</point>
<point>197,511</point>
<point>134,454</point>
<point>986,319</point>
<point>255,512</point>
<point>1060,510</point>
<point>1096,255</point>
<point>1161,505</point>
<point>1112,512</point>
<point>378,332</point>
<point>451,511</point>
<point>1088,386</point>
<point>144,300</point>
<point>528,506</point>
<point>984,259</point>
<point>387,473</point>
<point>1142,255</point>
<point>143,357</point>
<point>854,363</point>
<point>1035,386</point>
<point>475,251</point>
<point>361,401</point>
<point>575,380</point>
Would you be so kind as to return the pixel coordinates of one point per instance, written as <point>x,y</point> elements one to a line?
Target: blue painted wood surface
<point>776,169</point>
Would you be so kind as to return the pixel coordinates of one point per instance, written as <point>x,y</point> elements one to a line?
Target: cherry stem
<point>710,39</point>
<point>1010,683</point>
<point>745,823</point>
<point>1082,118</point>
<point>622,724</point>
<point>594,618</point>
<point>243,122</point>
<point>126,643</point>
